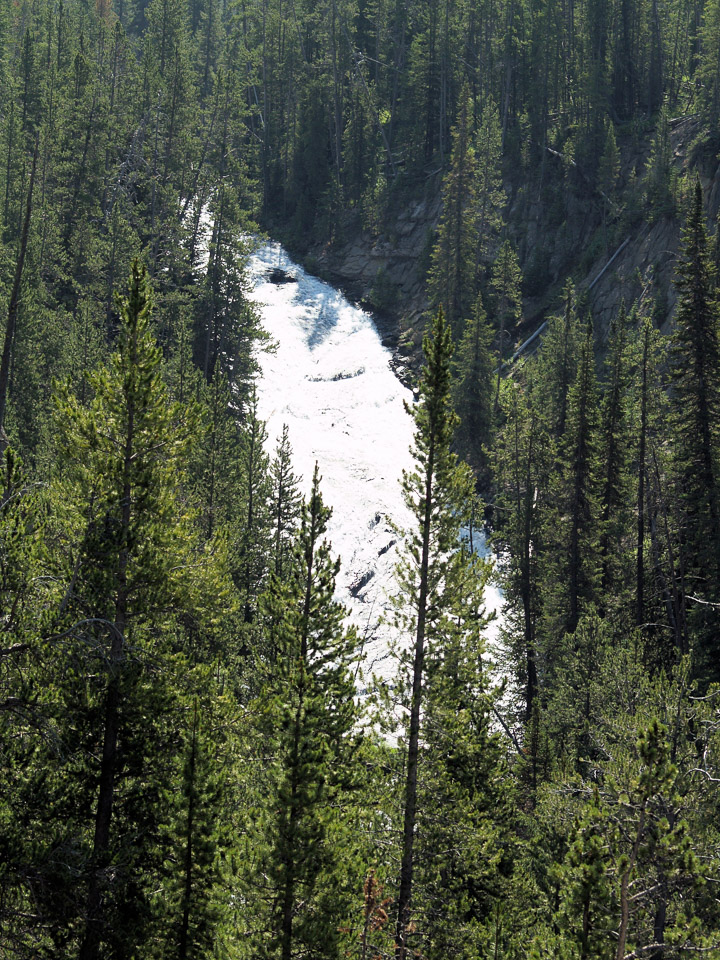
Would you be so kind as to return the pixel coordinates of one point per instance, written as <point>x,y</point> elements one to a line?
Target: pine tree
<point>629,865</point>
<point>558,362</point>
<point>285,502</point>
<point>490,194</point>
<point>431,579</point>
<point>30,90</point>
<point>533,494</point>
<point>451,282</point>
<point>31,885</point>
<point>708,90</point>
<point>659,174</point>
<point>573,529</point>
<point>123,454</point>
<point>254,523</point>
<point>641,476</point>
<point>609,166</point>
<point>715,259</point>
<point>580,446</point>
<point>308,724</point>
<point>660,553</point>
<point>696,403</point>
<point>595,76</point>
<point>522,457</point>
<point>464,858</point>
<point>227,324</point>
<point>505,282</point>
<point>614,456</point>
<point>215,454</point>
<point>586,886</point>
<point>472,390</point>
<point>12,315</point>
<point>190,904</point>
<point>607,175</point>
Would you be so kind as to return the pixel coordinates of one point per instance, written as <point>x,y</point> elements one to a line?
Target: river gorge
<point>330,379</point>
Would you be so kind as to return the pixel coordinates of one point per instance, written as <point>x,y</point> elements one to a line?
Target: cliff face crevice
<point>560,229</point>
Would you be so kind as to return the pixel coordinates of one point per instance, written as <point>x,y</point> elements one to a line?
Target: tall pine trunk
<point>406,868</point>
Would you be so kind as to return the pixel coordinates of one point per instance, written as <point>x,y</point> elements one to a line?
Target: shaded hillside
<point>556,220</point>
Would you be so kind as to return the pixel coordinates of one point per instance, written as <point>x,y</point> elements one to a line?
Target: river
<point>331,381</point>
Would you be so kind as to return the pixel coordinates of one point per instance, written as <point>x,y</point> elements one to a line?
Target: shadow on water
<point>322,305</point>
<point>321,302</point>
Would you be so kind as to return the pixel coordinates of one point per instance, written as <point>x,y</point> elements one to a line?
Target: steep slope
<point>555,218</point>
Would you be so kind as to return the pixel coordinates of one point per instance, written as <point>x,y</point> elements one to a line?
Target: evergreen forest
<point>193,763</point>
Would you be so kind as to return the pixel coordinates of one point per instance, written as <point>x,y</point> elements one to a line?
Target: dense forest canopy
<point>187,771</point>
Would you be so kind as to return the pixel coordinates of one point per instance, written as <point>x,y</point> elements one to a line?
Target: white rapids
<point>331,382</point>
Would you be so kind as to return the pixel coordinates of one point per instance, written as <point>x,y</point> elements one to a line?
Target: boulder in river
<point>278,275</point>
<point>361,581</point>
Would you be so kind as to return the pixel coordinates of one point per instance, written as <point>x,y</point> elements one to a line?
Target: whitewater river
<point>331,381</point>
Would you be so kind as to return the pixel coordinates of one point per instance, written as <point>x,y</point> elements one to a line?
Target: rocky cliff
<point>560,228</point>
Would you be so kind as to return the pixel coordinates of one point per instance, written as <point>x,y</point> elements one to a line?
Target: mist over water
<point>331,381</point>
